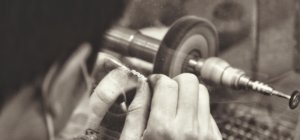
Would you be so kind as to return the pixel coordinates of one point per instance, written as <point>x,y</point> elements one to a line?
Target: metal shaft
<point>217,71</point>
<point>131,43</point>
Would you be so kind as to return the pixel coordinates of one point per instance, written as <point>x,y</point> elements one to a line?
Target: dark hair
<point>35,33</point>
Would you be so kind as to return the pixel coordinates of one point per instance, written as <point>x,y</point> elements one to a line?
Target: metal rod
<point>131,43</point>
<point>297,37</point>
<point>255,39</point>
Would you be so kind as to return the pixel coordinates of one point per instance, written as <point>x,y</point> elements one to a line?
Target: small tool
<point>217,71</point>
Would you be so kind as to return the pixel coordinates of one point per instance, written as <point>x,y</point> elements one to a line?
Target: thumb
<point>136,118</point>
<point>106,93</point>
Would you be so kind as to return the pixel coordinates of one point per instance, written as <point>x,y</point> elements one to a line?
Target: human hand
<point>107,92</point>
<point>180,110</point>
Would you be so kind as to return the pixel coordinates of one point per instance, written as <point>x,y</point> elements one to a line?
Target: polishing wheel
<point>189,38</point>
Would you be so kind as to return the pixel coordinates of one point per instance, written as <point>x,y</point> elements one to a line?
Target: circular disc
<point>294,100</point>
<point>188,38</point>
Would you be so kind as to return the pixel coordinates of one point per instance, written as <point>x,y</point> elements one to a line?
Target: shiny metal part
<point>117,64</point>
<point>217,71</point>
<point>131,43</point>
<point>294,99</point>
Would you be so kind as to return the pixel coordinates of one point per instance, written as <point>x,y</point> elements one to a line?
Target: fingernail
<point>155,77</point>
<point>143,86</point>
<point>152,79</point>
<point>119,73</point>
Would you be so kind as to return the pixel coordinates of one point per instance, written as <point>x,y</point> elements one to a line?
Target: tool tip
<point>294,100</point>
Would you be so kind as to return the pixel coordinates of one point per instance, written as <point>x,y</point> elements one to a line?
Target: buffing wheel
<point>188,38</point>
<point>294,100</point>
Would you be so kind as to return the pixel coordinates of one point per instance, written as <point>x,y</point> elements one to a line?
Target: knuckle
<point>163,130</point>
<point>162,79</point>
<point>153,133</point>
<point>104,94</point>
<point>108,93</point>
<point>190,134</point>
<point>187,77</point>
<point>186,133</point>
<point>155,77</point>
<point>165,82</point>
<point>186,130</point>
<point>204,92</point>
<point>157,115</point>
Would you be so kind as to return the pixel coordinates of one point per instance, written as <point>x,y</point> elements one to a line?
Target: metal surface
<point>297,37</point>
<point>217,71</point>
<point>255,39</point>
<point>294,99</point>
<point>131,43</point>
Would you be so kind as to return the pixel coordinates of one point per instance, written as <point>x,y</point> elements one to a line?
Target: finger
<point>204,117</point>
<point>203,106</point>
<point>136,119</point>
<point>216,134</point>
<point>209,130</point>
<point>165,96</point>
<point>106,93</point>
<point>188,96</point>
<point>152,79</point>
